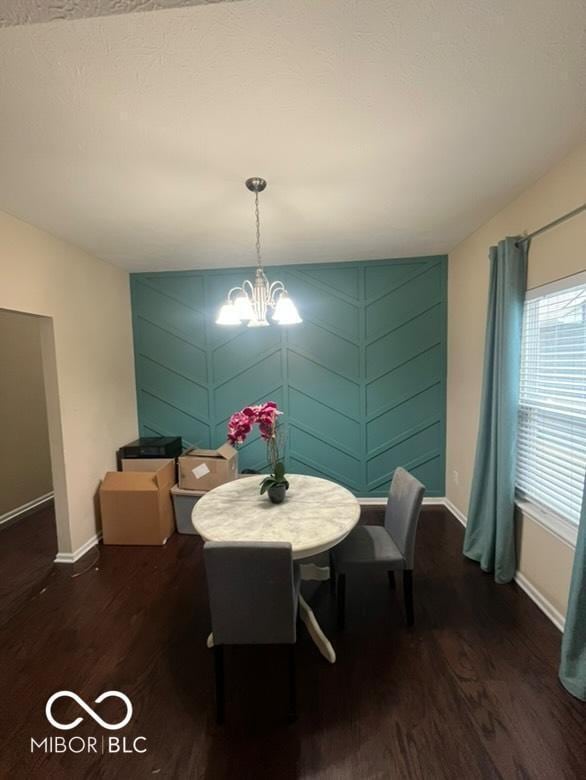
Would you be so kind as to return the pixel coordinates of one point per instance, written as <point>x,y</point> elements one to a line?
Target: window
<point>552,410</point>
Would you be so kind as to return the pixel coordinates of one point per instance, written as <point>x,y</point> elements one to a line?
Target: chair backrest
<point>402,512</point>
<point>252,592</point>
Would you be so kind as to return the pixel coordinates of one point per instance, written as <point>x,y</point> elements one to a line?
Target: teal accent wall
<point>361,381</point>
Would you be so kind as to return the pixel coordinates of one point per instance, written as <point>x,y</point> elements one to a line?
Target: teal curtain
<point>490,531</point>
<point>573,665</point>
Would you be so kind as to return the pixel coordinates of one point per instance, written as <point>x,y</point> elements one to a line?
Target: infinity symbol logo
<point>102,697</point>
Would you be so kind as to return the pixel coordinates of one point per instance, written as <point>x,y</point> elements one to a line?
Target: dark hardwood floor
<point>470,692</point>
<point>27,552</point>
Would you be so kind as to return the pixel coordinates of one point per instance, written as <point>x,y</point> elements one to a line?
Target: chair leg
<point>341,587</point>
<point>292,686</point>
<point>392,579</point>
<point>408,595</point>
<point>219,670</point>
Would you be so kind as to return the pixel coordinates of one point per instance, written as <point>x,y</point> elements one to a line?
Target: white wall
<point>544,559</point>
<point>86,334</point>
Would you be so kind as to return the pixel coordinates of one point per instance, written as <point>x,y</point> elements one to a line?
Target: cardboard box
<point>136,503</point>
<point>206,469</point>
<point>183,503</point>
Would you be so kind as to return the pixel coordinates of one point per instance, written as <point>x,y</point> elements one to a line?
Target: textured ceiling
<point>385,128</point>
<point>15,12</point>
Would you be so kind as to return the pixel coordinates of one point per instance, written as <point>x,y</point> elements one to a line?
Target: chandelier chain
<point>257,215</point>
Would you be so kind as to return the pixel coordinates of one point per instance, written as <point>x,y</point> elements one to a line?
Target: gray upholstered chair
<point>254,594</point>
<point>390,547</point>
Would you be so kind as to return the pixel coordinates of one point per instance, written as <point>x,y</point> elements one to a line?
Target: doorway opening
<point>28,525</point>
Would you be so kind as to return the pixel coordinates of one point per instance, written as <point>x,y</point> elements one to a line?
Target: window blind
<point>551,456</point>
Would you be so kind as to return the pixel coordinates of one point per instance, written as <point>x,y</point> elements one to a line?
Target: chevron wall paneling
<point>361,381</point>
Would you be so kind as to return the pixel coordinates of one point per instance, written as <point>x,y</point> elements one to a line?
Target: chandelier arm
<point>232,290</point>
<point>247,288</point>
<point>274,289</point>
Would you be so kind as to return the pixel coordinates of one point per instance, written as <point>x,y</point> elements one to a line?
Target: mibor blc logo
<point>77,744</point>
<point>92,713</point>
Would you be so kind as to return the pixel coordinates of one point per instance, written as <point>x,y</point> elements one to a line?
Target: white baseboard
<point>80,552</point>
<point>534,594</point>
<point>14,514</point>
<point>538,598</point>
<point>455,511</point>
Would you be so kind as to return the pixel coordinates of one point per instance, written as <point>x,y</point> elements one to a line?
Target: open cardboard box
<point>206,469</point>
<point>136,503</point>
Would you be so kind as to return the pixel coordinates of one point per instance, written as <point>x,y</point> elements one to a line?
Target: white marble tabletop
<point>315,515</point>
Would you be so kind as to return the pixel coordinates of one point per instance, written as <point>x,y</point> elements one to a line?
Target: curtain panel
<point>573,664</point>
<point>490,532</point>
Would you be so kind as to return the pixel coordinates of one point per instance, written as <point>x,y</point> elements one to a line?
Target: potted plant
<point>275,484</point>
<point>266,416</point>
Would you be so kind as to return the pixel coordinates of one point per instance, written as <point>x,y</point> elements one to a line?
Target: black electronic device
<point>152,447</point>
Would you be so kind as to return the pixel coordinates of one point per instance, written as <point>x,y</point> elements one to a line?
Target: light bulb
<point>228,315</point>
<point>286,312</point>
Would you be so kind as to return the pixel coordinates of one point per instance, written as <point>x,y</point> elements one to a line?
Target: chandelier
<point>251,303</point>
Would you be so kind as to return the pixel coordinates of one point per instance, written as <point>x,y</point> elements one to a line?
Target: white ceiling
<point>385,127</point>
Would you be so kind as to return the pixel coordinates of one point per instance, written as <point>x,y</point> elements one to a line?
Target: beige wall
<point>87,353</point>
<point>25,465</point>
<point>544,559</point>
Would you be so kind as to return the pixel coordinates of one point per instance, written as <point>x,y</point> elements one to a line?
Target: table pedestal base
<point>321,641</point>
<point>314,573</point>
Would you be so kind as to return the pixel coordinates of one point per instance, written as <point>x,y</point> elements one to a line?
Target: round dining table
<point>315,516</point>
